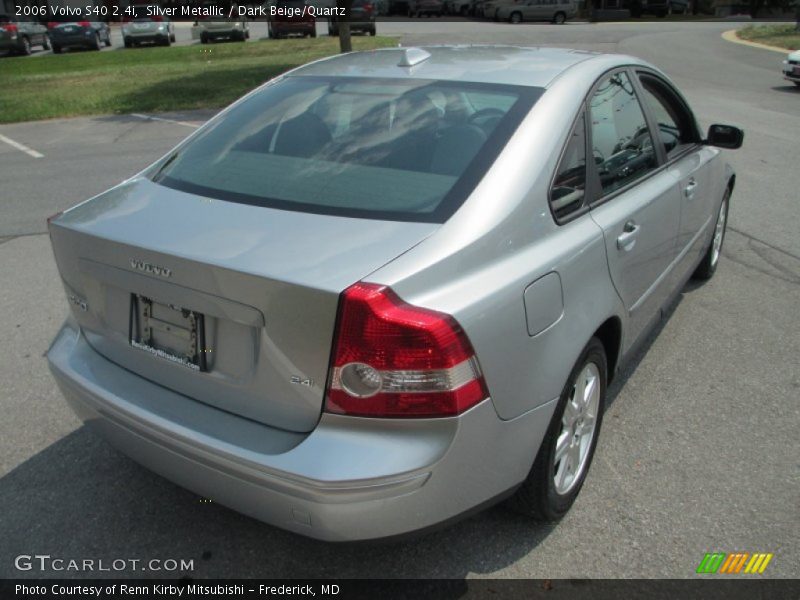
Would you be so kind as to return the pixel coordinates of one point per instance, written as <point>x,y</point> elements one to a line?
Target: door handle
<point>628,237</point>
<point>690,189</point>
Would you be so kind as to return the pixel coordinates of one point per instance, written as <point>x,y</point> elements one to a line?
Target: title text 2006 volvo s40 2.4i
<point>387,288</point>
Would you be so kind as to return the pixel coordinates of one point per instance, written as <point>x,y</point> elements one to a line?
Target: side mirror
<point>725,136</point>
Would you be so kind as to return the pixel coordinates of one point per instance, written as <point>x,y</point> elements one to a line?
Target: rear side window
<point>375,148</point>
<point>569,184</point>
<point>622,147</point>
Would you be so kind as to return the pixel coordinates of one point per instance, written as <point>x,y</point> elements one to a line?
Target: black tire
<point>204,38</point>
<point>708,265</point>
<point>25,50</point>
<point>537,496</point>
<point>372,31</point>
<point>559,18</point>
<point>97,45</point>
<point>314,32</point>
<point>515,17</point>
<point>56,49</point>
<point>797,83</point>
<point>127,42</point>
<point>108,39</point>
<point>166,42</point>
<point>172,37</point>
<point>45,43</point>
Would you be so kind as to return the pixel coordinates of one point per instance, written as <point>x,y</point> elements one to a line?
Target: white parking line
<point>21,147</point>
<point>149,118</point>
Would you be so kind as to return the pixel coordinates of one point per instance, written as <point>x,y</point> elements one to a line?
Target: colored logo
<point>734,562</point>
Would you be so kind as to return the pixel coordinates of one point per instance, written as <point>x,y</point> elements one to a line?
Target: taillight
<point>157,18</point>
<point>10,28</point>
<point>84,24</point>
<point>368,8</point>
<point>392,359</point>
<point>52,24</point>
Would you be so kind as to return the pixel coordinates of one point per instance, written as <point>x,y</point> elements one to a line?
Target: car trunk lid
<point>153,274</point>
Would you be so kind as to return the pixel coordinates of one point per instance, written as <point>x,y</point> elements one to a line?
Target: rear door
<point>634,201</point>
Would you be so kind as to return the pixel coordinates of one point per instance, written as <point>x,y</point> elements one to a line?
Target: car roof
<point>511,65</point>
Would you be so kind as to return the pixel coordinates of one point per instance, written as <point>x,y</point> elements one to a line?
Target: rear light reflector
<point>392,359</point>
<point>10,27</point>
<point>84,24</point>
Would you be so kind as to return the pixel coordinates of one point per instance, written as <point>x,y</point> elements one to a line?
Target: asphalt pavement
<point>699,450</point>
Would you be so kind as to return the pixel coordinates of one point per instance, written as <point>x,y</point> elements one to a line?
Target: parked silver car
<point>517,11</point>
<point>387,288</point>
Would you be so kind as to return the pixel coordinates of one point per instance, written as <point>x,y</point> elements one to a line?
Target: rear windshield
<point>408,150</point>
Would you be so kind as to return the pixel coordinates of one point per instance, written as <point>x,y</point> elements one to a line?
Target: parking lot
<point>699,450</point>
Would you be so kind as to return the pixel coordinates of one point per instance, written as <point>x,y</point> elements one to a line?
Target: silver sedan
<point>388,288</point>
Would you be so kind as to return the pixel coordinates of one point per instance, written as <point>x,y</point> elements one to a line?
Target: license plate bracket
<point>168,332</point>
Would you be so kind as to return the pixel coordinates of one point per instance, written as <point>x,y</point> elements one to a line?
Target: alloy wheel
<point>578,425</point>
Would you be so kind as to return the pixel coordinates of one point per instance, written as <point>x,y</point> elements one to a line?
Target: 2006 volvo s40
<point>388,288</point>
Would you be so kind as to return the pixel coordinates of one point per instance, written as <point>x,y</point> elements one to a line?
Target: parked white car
<point>791,68</point>
<point>210,31</point>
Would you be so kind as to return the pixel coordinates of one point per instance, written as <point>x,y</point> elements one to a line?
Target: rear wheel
<point>108,39</point>
<point>56,49</point>
<point>127,42</point>
<point>566,453</point>
<point>314,32</point>
<point>372,31</point>
<point>204,38</point>
<point>708,266</point>
<point>26,46</point>
<point>516,17</point>
<point>559,18</point>
<point>97,44</point>
<point>45,43</point>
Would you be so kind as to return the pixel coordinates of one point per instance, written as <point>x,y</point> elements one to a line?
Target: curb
<point>730,36</point>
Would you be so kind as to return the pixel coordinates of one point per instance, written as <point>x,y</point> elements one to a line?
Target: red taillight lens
<point>51,24</point>
<point>368,8</point>
<point>157,18</point>
<point>9,27</point>
<point>392,359</point>
<point>84,24</point>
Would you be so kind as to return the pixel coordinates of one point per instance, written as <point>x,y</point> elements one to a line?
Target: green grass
<point>783,36</point>
<point>151,79</point>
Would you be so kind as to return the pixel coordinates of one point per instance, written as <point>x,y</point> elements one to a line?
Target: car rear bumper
<point>78,39</point>
<point>146,37</point>
<point>348,479</point>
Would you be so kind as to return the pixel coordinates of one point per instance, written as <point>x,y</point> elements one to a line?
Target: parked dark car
<point>290,18</point>
<point>19,37</point>
<point>362,18</point>
<point>81,34</point>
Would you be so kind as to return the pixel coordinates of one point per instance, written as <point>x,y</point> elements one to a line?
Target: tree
<point>343,25</point>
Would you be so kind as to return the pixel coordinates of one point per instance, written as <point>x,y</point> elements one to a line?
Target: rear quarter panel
<point>478,265</point>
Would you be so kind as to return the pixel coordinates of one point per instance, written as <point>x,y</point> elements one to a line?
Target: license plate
<point>168,332</point>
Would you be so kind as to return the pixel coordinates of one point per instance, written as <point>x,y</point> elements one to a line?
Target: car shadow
<point>80,498</point>
<point>788,89</point>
